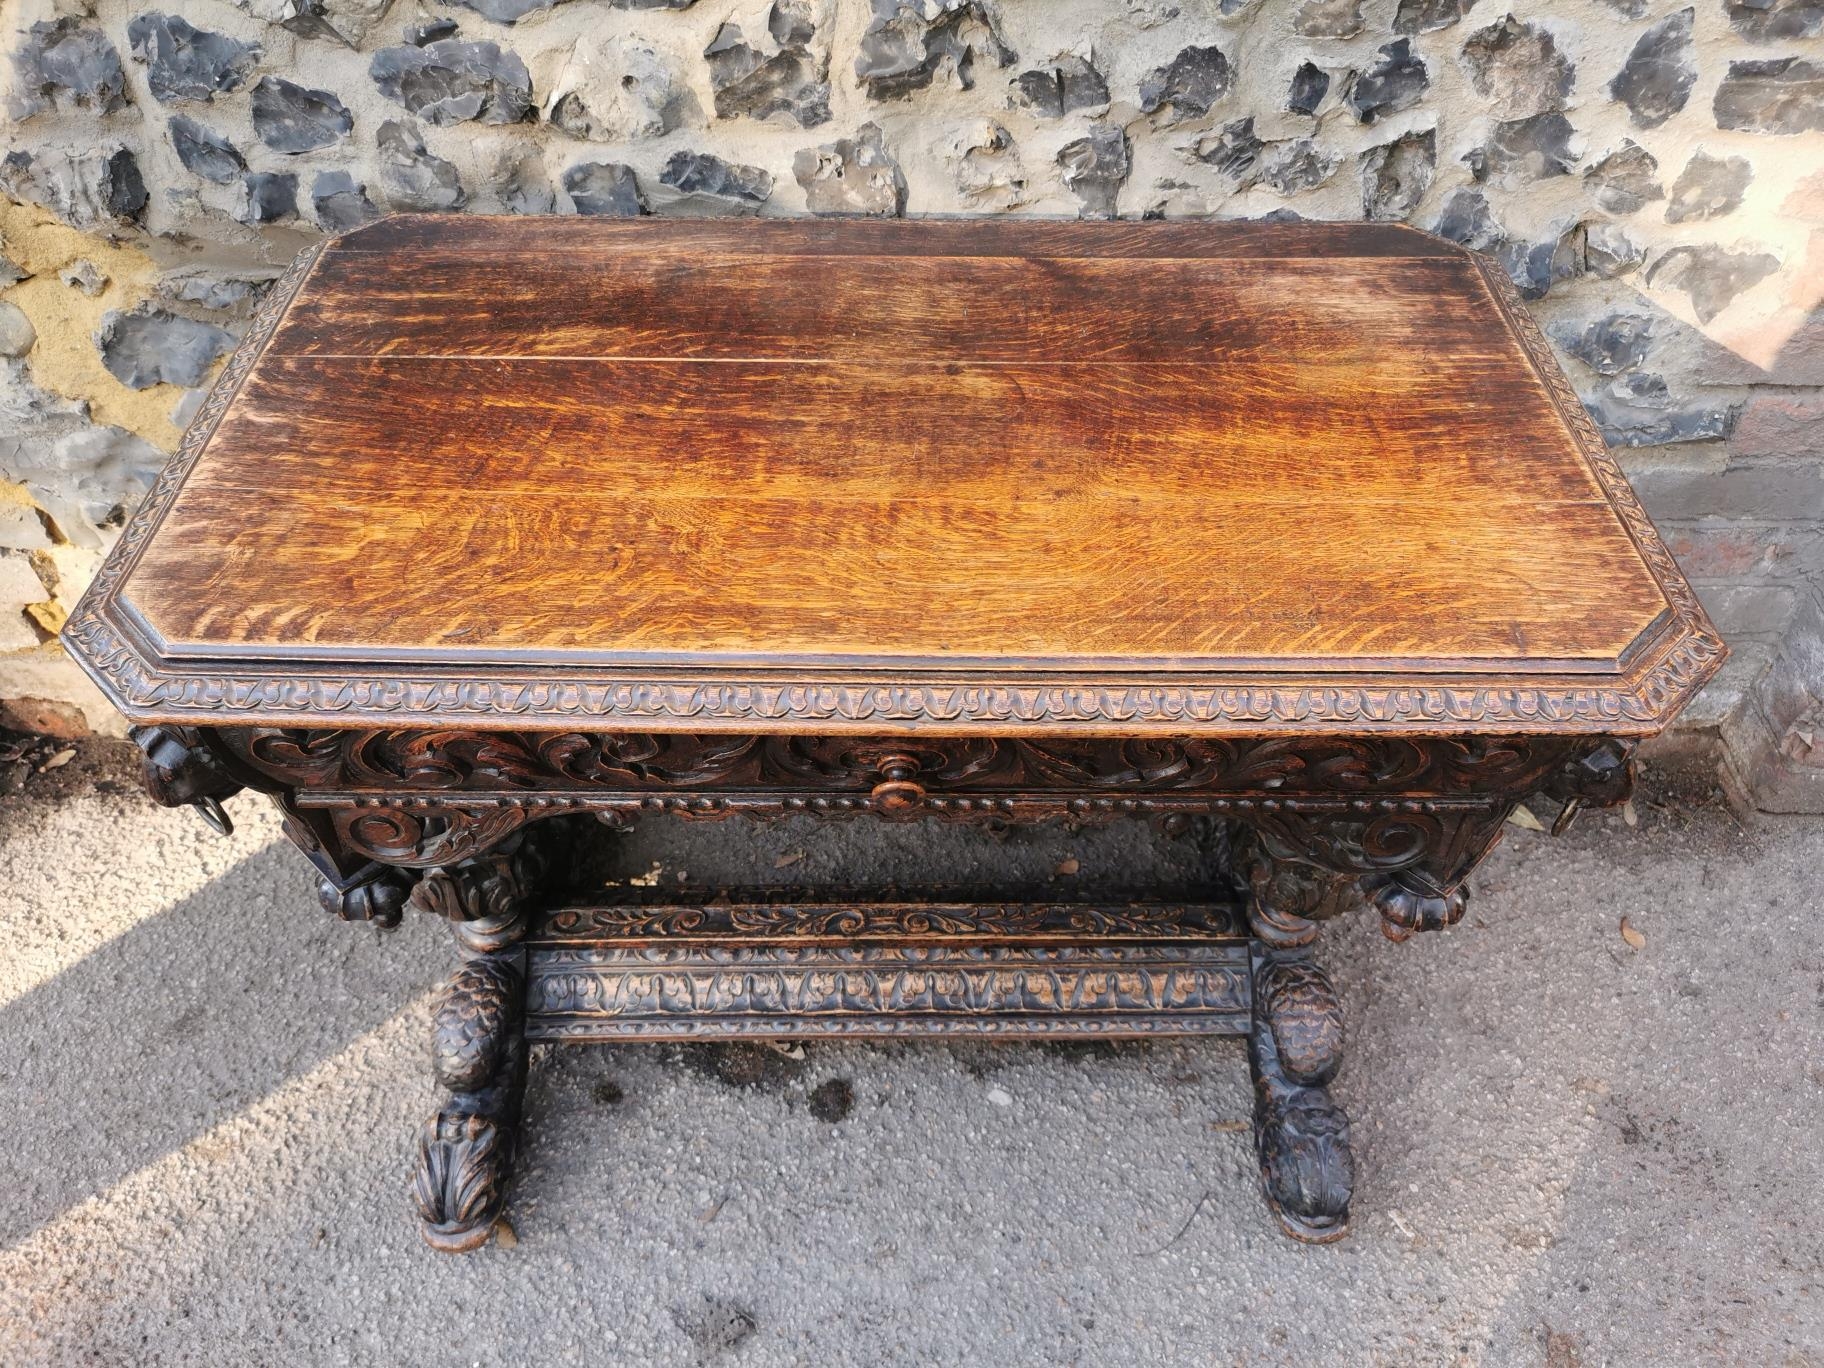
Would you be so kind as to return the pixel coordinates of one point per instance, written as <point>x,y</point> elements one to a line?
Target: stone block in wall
<point>1749,610</point>
<point>1775,740</point>
<point>1773,493</point>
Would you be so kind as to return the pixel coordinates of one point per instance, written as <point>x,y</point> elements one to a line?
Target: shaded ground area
<point>1572,1151</point>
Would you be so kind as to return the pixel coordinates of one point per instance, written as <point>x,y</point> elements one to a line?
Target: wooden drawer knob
<point>898,793</point>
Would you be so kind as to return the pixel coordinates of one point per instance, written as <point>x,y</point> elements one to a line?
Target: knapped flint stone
<point>1234,151</point>
<point>765,77</point>
<point>1628,9</point>
<point>1193,81</point>
<point>1782,96</point>
<point>1467,219</point>
<point>1708,187</point>
<point>346,23</point>
<point>267,197</point>
<point>146,346</point>
<point>1656,80</point>
<point>209,289</point>
<point>1328,19</point>
<point>1428,16</point>
<point>184,62</point>
<point>83,274</point>
<point>1603,250</point>
<point>508,11</point>
<point>1066,83</point>
<point>1522,150</point>
<point>617,91</point>
<point>410,177</point>
<point>1094,168</point>
<point>432,31</point>
<point>63,65</point>
<point>1395,82</point>
<point>1609,345</point>
<point>1712,276</point>
<point>709,187</point>
<point>86,190</point>
<point>1396,175</point>
<point>524,186</point>
<point>1309,86</point>
<point>1518,69</point>
<point>450,81</point>
<point>1528,265</point>
<point>1636,411</point>
<point>1766,21</point>
<point>605,188</point>
<point>652,4</point>
<point>852,176</point>
<point>907,42</point>
<point>1624,180</point>
<point>11,273</point>
<point>1294,166</point>
<point>987,166</point>
<point>205,153</point>
<point>288,118</point>
<point>340,202</point>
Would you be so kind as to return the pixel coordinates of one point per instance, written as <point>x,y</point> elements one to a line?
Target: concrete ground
<point>1572,1151</point>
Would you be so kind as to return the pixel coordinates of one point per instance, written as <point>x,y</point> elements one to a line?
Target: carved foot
<point>1406,905</point>
<point>1300,1135</point>
<point>465,1152</point>
<point>378,894</point>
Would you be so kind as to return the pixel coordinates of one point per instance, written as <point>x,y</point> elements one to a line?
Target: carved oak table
<point>490,528</point>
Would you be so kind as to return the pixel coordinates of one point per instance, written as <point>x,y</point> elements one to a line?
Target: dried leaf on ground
<point>1068,865</point>
<point>791,857</point>
<point>504,1234</point>
<point>1522,816</point>
<point>1634,938</point>
<point>791,1049</point>
<point>1629,814</point>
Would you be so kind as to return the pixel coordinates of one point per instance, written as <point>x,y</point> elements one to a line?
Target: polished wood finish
<point>1157,478</point>
<point>495,534</point>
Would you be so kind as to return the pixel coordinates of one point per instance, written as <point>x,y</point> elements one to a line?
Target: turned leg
<point>478,1046</point>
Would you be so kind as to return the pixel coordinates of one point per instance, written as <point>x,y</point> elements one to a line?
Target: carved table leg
<point>1300,1135</point>
<point>1296,1047</point>
<point>465,1152</point>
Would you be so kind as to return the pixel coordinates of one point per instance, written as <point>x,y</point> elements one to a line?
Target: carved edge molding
<point>148,690</point>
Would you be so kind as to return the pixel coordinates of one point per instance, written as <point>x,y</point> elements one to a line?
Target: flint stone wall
<point>1651,174</point>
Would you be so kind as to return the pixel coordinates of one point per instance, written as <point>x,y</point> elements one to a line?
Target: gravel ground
<point>1571,1151</point>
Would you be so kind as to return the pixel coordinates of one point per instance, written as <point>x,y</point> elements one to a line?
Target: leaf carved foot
<point>1407,905</point>
<point>1302,1139</point>
<point>379,896</point>
<point>465,1151</point>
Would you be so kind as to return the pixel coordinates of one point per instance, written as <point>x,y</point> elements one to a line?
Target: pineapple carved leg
<point>465,1151</point>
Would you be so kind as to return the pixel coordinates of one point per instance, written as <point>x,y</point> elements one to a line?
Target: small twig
<point>1181,1229</point>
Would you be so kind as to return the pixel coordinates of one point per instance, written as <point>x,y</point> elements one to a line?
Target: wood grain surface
<point>947,444</point>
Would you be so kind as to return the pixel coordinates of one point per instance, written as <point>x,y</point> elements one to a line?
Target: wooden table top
<point>922,475</point>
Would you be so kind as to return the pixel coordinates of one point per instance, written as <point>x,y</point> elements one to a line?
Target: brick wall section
<point>1650,173</point>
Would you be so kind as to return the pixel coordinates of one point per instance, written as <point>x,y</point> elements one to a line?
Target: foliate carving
<point>485,887</point>
<point>480,1005</point>
<point>461,1180</point>
<point>1301,1008</point>
<point>451,760</point>
<point>665,992</point>
<point>1287,897</point>
<point>380,897</point>
<point>730,922</point>
<point>1301,1138</point>
<point>1407,905</point>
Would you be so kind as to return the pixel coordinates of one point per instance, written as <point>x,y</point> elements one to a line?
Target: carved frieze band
<point>661,991</point>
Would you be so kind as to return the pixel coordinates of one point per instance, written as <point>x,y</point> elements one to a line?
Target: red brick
<point>1784,425</point>
<point>1729,552</point>
<point>44,717</point>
